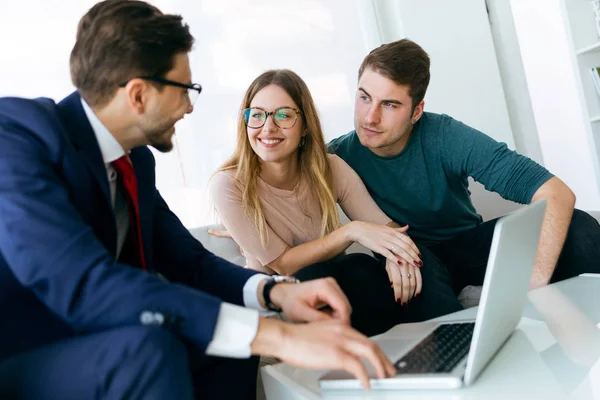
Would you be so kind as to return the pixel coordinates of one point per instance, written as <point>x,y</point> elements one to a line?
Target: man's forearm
<point>555,226</point>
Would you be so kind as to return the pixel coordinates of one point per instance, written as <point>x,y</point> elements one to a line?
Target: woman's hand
<point>405,280</point>
<point>392,243</point>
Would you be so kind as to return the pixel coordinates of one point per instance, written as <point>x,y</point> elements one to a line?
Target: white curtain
<point>236,40</point>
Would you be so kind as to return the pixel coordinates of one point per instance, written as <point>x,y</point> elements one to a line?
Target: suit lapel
<point>83,138</point>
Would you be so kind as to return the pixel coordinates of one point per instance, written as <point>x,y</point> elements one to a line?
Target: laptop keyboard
<point>440,351</point>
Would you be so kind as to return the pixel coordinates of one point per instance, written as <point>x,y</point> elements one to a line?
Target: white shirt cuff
<point>235,330</point>
<point>251,295</point>
<point>237,326</point>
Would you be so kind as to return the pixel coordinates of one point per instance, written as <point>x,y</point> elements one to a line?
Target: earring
<point>302,142</point>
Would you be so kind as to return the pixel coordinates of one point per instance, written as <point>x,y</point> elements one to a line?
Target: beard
<point>162,143</point>
<point>158,133</point>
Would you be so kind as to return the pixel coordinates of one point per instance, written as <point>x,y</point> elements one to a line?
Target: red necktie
<point>128,180</point>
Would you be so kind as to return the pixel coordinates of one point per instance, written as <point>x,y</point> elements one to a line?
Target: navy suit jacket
<point>59,276</point>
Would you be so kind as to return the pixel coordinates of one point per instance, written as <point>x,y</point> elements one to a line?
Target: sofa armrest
<point>223,247</point>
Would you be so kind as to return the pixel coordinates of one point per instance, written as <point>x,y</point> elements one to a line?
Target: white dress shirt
<point>236,326</point>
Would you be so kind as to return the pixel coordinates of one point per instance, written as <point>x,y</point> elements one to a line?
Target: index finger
<point>352,364</point>
<point>396,283</point>
<point>419,281</point>
<point>364,347</point>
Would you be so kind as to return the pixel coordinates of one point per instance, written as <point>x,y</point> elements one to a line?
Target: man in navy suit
<point>103,292</point>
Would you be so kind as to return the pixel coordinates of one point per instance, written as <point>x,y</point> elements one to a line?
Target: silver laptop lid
<point>508,273</point>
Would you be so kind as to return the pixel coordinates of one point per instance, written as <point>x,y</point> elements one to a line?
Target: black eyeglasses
<point>283,117</point>
<point>193,90</point>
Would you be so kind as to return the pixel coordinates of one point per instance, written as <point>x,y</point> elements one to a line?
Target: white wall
<point>513,79</point>
<point>557,97</point>
<point>465,79</point>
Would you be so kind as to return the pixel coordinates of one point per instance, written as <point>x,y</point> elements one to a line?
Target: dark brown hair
<point>404,62</point>
<point>120,39</point>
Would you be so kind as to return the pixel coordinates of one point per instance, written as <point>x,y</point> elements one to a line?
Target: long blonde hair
<point>314,166</point>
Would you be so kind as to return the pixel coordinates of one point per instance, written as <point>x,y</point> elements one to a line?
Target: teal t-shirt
<point>426,186</point>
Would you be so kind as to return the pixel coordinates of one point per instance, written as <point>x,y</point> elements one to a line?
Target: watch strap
<point>267,295</point>
<point>272,281</point>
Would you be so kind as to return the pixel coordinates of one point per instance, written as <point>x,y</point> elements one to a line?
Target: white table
<point>553,354</point>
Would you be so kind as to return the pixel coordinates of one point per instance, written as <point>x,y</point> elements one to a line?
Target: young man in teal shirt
<point>415,164</point>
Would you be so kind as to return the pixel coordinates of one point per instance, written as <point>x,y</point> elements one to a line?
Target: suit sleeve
<point>182,258</point>
<point>55,254</point>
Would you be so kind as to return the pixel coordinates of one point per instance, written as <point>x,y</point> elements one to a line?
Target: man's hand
<point>406,280</point>
<point>305,301</point>
<point>322,345</point>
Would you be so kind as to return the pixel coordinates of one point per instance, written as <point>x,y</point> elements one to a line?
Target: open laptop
<point>440,355</point>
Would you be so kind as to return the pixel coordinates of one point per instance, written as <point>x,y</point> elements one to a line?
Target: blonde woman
<point>278,194</point>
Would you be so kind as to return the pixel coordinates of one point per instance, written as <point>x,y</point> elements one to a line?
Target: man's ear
<point>137,94</point>
<point>417,112</point>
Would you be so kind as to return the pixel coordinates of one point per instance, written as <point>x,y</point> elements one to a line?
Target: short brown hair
<point>404,62</point>
<point>120,39</point>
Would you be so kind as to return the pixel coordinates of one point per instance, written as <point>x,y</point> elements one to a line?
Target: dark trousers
<point>465,256</point>
<point>374,308</point>
<point>126,363</point>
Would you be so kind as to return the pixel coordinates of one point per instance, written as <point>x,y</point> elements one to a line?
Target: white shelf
<point>587,49</point>
<point>582,29</point>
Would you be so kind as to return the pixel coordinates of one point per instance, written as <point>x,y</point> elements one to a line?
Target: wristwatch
<point>272,281</point>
